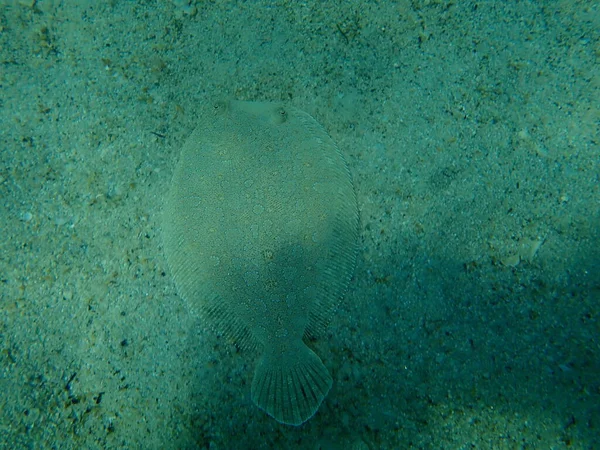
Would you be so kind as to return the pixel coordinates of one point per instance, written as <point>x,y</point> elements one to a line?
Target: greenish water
<point>472,133</point>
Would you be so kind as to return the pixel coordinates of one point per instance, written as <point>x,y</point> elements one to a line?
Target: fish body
<point>260,232</point>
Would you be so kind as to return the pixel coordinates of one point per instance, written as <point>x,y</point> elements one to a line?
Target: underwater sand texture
<point>472,133</point>
<point>260,233</point>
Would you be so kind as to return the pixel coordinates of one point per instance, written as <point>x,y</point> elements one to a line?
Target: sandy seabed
<point>472,131</point>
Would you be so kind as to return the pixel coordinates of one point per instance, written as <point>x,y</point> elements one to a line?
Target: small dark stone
<point>98,399</point>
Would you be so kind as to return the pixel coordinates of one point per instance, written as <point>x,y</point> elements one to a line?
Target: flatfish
<point>260,232</point>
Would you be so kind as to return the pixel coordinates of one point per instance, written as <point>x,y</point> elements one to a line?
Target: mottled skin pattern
<point>260,233</point>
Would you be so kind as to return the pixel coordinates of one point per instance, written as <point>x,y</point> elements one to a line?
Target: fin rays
<point>290,387</point>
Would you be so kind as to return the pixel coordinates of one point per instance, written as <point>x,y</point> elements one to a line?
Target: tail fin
<point>290,386</point>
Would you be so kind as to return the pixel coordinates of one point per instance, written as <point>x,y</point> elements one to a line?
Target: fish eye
<point>219,107</point>
<point>281,116</point>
